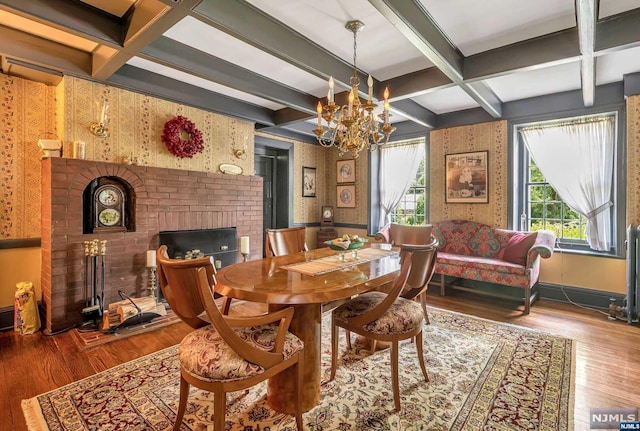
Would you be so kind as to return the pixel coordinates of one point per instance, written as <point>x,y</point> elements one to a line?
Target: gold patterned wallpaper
<point>478,137</point>
<point>135,125</point>
<point>27,113</point>
<point>633,159</point>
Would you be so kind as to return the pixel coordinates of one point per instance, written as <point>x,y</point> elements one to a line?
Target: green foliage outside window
<point>547,210</point>
<point>411,209</point>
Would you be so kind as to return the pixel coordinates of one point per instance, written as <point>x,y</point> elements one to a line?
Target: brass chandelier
<point>353,127</point>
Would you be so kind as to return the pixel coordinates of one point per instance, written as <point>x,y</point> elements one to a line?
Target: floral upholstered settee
<point>476,251</point>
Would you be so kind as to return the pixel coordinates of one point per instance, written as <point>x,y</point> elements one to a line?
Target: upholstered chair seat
<point>205,355</point>
<point>402,316</point>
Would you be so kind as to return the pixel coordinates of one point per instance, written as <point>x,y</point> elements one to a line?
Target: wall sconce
<point>241,153</point>
<point>100,128</point>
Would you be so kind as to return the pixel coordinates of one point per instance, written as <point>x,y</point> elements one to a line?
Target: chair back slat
<point>180,288</point>
<point>423,265</point>
<point>398,285</point>
<point>280,242</point>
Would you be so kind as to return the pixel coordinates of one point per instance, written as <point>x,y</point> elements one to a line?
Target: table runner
<point>332,263</point>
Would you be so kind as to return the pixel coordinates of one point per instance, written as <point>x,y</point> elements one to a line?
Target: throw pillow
<point>518,247</point>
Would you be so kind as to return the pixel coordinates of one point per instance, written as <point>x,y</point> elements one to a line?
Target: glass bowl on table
<point>343,245</point>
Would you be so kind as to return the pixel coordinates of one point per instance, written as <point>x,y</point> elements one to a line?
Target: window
<point>411,209</point>
<point>545,209</point>
<point>566,180</point>
<point>401,186</point>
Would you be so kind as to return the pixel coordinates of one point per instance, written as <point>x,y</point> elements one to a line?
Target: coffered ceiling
<point>269,61</point>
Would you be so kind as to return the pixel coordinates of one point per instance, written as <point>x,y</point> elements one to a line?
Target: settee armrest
<point>383,234</point>
<point>543,247</point>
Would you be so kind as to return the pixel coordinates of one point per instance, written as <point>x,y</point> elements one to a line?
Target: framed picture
<point>308,182</point>
<point>346,171</point>
<point>467,178</point>
<point>346,196</point>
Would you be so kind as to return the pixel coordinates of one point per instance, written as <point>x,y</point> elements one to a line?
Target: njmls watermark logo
<point>617,419</point>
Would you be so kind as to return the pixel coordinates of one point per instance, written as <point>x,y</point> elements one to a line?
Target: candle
<point>319,109</point>
<point>350,103</point>
<point>244,245</point>
<point>151,258</point>
<point>330,89</point>
<point>386,111</point>
<point>370,84</point>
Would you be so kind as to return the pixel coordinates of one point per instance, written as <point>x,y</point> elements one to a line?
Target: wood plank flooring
<point>607,354</point>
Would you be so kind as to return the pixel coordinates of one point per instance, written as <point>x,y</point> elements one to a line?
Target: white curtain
<point>398,168</point>
<point>577,160</point>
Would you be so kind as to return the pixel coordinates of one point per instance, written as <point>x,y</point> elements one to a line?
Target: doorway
<point>273,161</point>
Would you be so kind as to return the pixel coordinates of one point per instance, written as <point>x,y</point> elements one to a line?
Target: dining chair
<point>280,242</point>
<point>398,235</point>
<point>386,316</point>
<point>187,307</point>
<point>231,353</point>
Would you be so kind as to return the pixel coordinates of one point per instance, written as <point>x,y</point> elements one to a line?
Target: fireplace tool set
<point>94,253</point>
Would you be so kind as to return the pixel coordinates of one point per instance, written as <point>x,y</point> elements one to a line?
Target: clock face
<point>109,217</point>
<point>109,197</point>
<point>327,213</point>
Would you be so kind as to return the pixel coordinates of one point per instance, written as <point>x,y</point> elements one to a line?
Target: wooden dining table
<point>305,281</point>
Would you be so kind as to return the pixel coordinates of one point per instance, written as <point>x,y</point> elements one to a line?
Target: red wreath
<point>172,137</point>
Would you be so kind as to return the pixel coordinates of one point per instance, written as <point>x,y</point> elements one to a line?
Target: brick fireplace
<point>163,200</point>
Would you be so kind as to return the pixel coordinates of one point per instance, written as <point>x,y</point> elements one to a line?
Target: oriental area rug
<point>483,376</point>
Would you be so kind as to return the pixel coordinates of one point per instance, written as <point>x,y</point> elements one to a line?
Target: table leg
<point>306,325</point>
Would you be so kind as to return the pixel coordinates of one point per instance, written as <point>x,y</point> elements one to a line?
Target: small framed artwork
<point>467,178</point>
<point>346,171</point>
<point>346,196</point>
<point>308,182</point>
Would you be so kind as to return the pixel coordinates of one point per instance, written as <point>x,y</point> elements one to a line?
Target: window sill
<point>586,251</point>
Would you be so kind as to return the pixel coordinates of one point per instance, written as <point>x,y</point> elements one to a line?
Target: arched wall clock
<point>108,204</point>
<point>109,209</point>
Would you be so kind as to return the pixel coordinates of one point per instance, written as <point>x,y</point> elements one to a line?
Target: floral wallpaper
<point>27,113</point>
<point>478,137</point>
<point>633,159</point>
<point>135,126</point>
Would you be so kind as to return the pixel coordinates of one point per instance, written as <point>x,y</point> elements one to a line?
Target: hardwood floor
<point>607,354</point>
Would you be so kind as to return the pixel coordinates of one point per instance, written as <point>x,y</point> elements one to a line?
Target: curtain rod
<point>562,123</point>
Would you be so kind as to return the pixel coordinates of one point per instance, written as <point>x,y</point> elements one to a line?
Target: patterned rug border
<point>35,419</point>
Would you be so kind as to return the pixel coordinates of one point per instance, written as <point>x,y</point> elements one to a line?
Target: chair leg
<point>347,333</point>
<point>442,285</point>
<point>423,302</point>
<point>298,385</point>
<point>394,374</point>
<point>421,356</point>
<point>334,347</point>
<point>374,343</point>
<point>182,405</point>
<point>219,410</point>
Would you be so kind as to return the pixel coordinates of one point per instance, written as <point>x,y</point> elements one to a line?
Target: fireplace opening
<point>220,243</point>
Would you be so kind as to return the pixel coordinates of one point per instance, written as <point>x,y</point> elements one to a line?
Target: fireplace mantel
<point>165,200</point>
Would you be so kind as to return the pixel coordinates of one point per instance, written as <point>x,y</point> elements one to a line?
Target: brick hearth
<point>165,199</point>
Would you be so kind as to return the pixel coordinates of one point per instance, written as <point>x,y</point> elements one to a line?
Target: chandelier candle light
<point>353,127</point>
